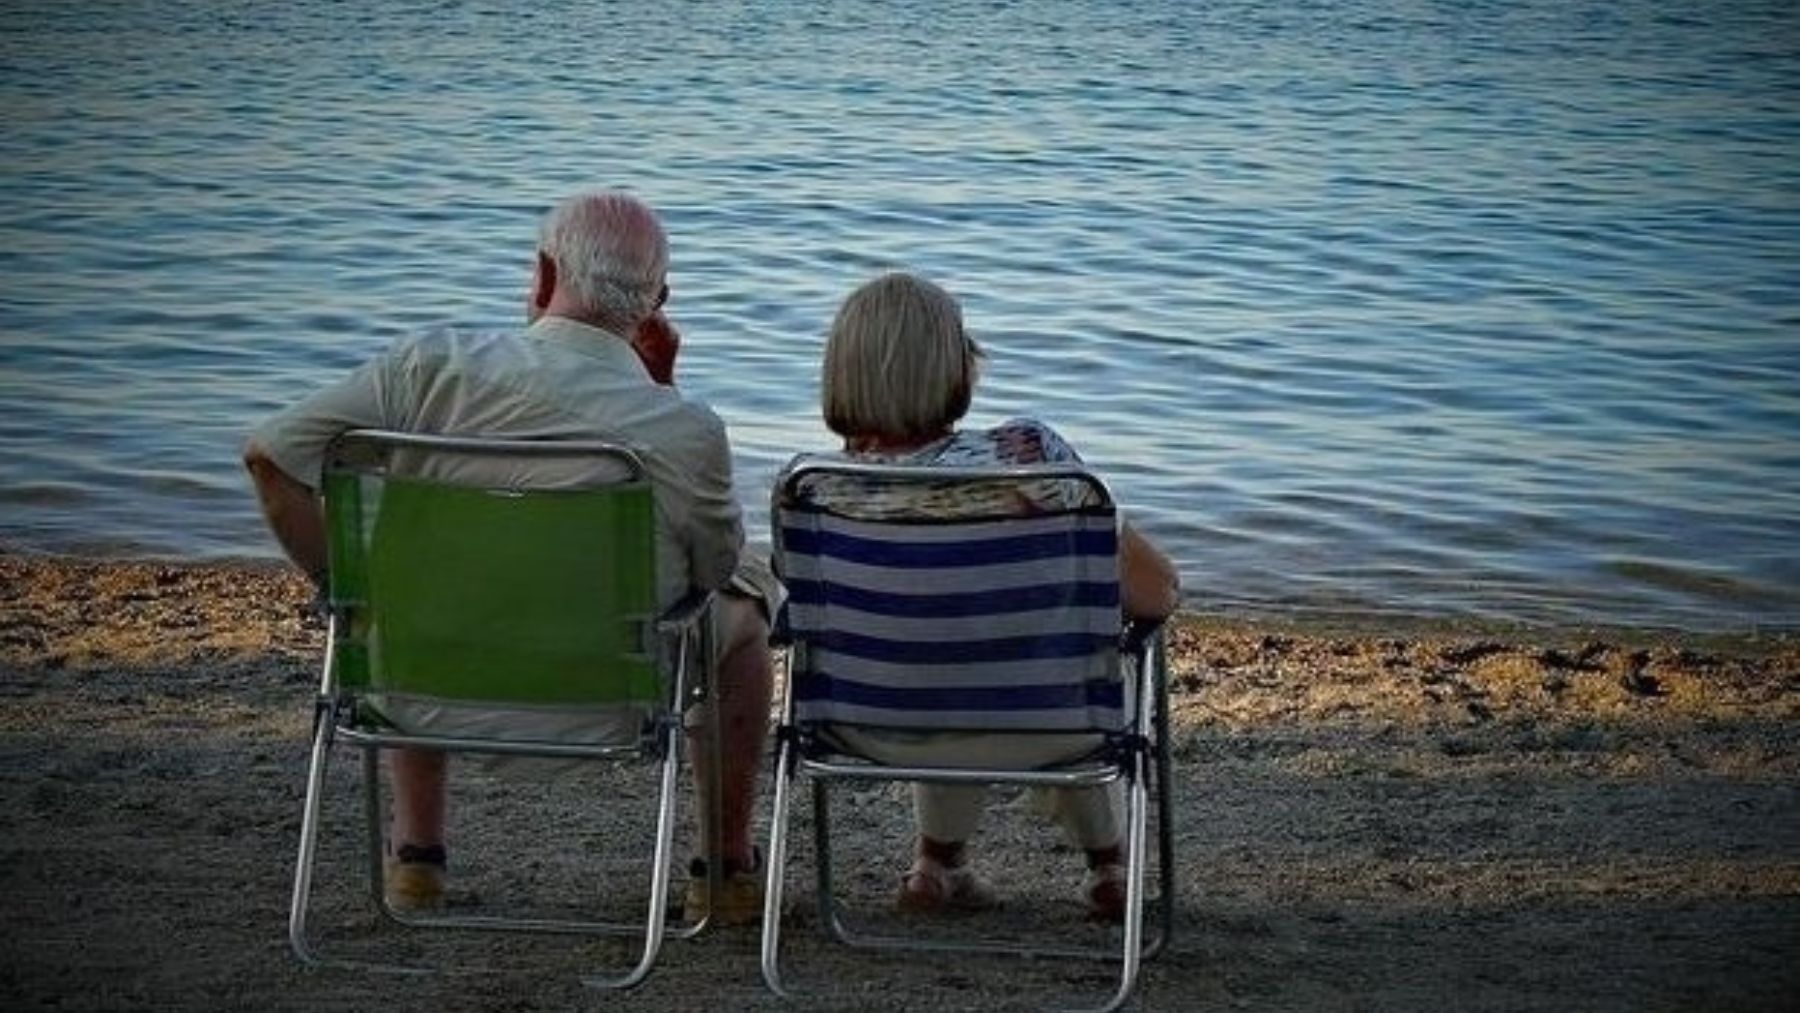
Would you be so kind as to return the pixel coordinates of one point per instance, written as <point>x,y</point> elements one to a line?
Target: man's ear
<point>543,283</point>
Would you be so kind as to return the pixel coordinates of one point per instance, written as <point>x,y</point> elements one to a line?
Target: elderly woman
<point>899,374</point>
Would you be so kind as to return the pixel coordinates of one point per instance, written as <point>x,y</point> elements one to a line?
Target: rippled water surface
<point>1470,309</point>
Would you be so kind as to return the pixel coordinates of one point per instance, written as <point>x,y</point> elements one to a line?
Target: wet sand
<point>1367,819</point>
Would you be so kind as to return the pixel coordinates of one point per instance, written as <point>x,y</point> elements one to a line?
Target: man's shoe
<point>740,900</point>
<point>413,879</point>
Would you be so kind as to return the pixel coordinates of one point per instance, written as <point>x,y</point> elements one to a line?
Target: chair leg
<point>776,873</point>
<point>654,928</point>
<point>1135,834</point>
<point>831,914</point>
<point>309,839</point>
<point>714,791</point>
<point>1165,822</point>
<point>659,868</point>
<point>1162,786</point>
<point>371,771</point>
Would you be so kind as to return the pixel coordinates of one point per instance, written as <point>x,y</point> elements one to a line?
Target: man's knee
<point>743,632</point>
<point>740,662</point>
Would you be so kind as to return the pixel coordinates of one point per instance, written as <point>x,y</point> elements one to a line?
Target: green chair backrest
<point>502,596</point>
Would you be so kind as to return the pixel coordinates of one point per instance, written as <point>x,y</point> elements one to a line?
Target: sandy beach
<point>1384,820</point>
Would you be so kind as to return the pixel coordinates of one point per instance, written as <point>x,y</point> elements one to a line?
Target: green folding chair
<point>494,595</point>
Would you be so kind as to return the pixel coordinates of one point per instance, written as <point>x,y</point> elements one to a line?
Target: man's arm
<point>293,511</point>
<point>285,453</point>
<point>715,535</point>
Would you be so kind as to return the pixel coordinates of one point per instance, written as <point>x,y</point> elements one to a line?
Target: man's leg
<point>743,686</point>
<point>743,675</point>
<point>418,816</point>
<point>415,872</point>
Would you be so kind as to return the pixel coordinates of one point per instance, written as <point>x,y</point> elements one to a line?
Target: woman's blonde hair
<point>898,363</point>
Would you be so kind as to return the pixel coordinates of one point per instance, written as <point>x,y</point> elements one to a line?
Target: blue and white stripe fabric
<point>977,625</point>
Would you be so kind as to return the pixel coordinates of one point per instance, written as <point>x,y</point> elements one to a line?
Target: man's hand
<point>657,342</point>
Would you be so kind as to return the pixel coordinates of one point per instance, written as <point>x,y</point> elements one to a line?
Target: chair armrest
<point>684,614</point>
<point>780,635</point>
<point>1138,634</point>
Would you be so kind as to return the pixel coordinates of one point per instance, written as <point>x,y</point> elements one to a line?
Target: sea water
<point>1482,310</point>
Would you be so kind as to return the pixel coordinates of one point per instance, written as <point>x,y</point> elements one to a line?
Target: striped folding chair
<point>994,619</point>
<point>457,586</point>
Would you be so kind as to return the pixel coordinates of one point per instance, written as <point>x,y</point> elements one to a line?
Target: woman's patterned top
<point>1018,441</point>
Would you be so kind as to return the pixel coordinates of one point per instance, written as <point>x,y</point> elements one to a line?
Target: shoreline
<point>61,613</point>
<point>1269,620</point>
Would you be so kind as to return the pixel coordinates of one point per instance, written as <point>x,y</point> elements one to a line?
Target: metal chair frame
<point>1139,756</point>
<point>340,718</point>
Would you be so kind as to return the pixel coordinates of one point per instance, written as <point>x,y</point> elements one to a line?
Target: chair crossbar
<point>489,747</point>
<point>1061,777</point>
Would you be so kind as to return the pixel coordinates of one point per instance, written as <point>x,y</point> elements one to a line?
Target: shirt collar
<point>587,339</point>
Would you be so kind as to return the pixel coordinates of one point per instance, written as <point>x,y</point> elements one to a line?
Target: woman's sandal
<point>930,886</point>
<point>1104,891</point>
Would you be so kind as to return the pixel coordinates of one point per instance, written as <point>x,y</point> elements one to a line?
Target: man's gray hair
<point>611,252</point>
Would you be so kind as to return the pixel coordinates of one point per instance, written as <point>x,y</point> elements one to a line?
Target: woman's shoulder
<point>1019,440</point>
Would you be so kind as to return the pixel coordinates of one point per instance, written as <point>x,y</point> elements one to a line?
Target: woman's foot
<point>1104,892</point>
<point>930,886</point>
<point>1104,888</point>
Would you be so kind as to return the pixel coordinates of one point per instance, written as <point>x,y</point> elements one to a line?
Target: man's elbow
<point>285,499</point>
<point>258,462</point>
<point>263,470</point>
<point>292,510</point>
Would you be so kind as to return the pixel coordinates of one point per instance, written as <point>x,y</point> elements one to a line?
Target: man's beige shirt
<point>559,379</point>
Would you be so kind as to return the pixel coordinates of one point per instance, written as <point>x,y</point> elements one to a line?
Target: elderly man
<point>596,361</point>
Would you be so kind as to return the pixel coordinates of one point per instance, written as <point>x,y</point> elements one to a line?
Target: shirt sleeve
<point>1055,448</point>
<point>295,438</point>
<point>716,526</point>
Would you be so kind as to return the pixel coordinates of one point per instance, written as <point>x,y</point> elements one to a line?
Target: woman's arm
<point>1149,587</point>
